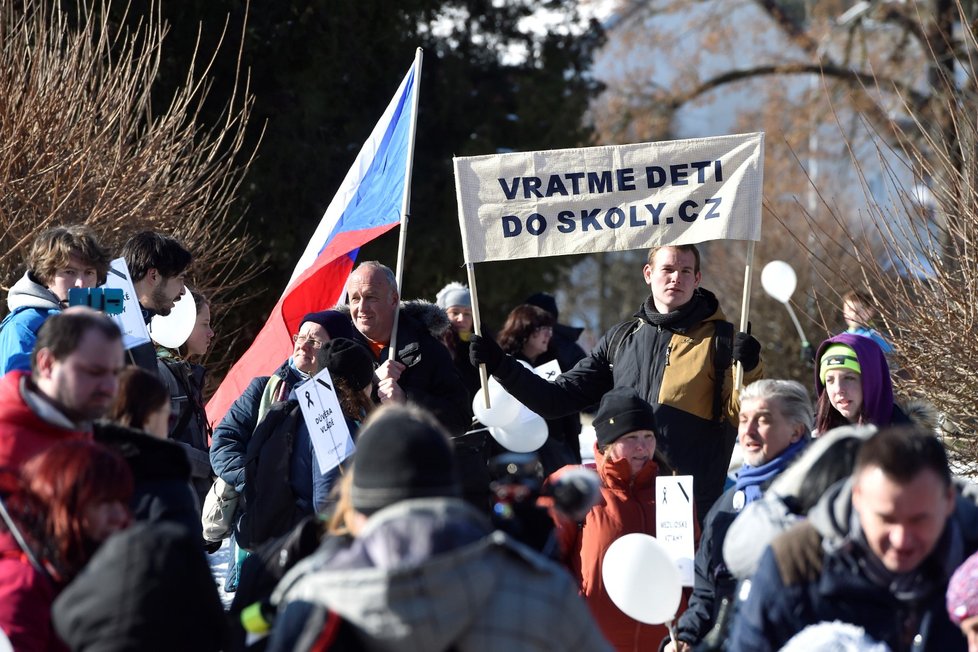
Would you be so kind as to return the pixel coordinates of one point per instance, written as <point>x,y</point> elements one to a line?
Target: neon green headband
<point>838,356</point>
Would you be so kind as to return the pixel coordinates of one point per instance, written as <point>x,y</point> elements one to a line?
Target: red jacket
<point>25,601</point>
<point>627,505</point>
<point>23,434</point>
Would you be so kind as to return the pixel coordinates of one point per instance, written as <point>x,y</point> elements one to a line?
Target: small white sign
<point>548,370</point>
<point>130,321</point>
<point>324,418</point>
<point>674,521</point>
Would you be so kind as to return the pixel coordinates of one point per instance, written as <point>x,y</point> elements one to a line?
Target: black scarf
<point>701,306</point>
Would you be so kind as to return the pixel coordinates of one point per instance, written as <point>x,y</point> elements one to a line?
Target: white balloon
<point>524,434</point>
<point>779,280</point>
<point>642,579</point>
<point>174,329</point>
<point>503,408</point>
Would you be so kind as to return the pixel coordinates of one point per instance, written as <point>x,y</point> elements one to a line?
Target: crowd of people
<point>843,525</point>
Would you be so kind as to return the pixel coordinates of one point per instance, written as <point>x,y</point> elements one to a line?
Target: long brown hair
<point>61,483</point>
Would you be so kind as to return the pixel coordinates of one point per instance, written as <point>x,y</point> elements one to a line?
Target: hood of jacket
<point>417,576</point>
<point>874,377</point>
<point>617,475</point>
<point>832,513</point>
<point>28,293</point>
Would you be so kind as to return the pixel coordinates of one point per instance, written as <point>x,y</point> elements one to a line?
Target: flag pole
<point>477,327</point>
<point>745,310</point>
<point>406,200</point>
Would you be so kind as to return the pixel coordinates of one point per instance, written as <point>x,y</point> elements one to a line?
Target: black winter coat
<point>147,588</point>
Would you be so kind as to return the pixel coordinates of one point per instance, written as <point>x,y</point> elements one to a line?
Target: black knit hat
<point>621,411</point>
<point>350,361</point>
<point>401,454</point>
<point>546,301</point>
<point>335,322</point>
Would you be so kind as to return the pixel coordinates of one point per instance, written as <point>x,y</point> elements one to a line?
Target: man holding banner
<point>677,350</point>
<point>672,353</point>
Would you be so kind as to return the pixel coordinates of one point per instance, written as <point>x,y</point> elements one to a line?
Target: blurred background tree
<point>321,73</point>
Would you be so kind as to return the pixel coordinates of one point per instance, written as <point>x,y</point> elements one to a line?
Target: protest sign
<point>612,198</point>
<point>548,370</point>
<point>130,320</point>
<point>674,521</point>
<point>324,418</point>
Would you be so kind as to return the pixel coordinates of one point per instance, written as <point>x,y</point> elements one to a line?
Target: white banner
<point>612,198</point>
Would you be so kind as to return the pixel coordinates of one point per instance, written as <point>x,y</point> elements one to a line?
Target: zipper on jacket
<point>668,352</point>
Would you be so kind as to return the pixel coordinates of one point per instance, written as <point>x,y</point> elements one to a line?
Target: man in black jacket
<point>422,369</point>
<point>672,354</point>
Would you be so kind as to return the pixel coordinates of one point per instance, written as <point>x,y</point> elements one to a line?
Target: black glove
<point>747,351</point>
<point>484,350</point>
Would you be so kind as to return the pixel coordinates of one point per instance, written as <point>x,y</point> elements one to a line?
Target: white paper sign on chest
<point>548,370</point>
<point>674,521</point>
<point>130,321</point>
<point>321,410</point>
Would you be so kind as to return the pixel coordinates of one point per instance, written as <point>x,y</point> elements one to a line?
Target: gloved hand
<point>484,350</point>
<point>746,351</point>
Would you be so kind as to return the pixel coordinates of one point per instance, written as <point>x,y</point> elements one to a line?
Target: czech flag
<point>368,203</point>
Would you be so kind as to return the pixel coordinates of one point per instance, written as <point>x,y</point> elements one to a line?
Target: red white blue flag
<point>367,204</point>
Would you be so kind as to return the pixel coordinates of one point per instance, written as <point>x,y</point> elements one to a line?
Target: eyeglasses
<point>313,342</point>
<point>543,329</point>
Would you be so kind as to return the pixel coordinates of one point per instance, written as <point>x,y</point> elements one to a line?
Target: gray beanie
<point>453,294</point>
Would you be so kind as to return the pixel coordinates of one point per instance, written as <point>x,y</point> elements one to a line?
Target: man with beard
<point>676,351</point>
<point>158,267</point>
<point>73,380</point>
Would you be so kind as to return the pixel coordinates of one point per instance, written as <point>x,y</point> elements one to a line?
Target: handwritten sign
<point>320,407</point>
<point>130,320</point>
<point>674,521</point>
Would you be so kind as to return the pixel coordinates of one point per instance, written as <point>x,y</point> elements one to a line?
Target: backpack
<point>267,506</point>
<point>722,354</point>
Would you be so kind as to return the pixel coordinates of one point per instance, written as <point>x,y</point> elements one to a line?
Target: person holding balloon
<point>627,464</point>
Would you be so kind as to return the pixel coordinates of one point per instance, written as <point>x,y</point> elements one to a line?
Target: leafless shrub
<point>80,143</point>
<point>915,253</point>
